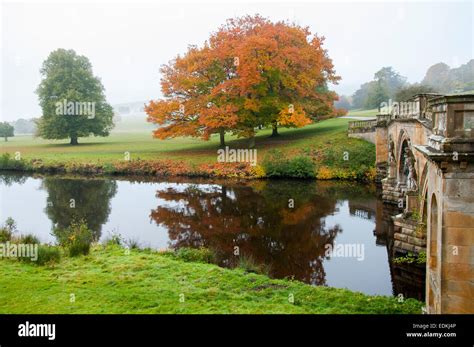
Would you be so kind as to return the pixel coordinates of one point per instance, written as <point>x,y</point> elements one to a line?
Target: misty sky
<point>126,42</point>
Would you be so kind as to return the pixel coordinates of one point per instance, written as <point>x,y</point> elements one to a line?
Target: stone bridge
<point>425,165</point>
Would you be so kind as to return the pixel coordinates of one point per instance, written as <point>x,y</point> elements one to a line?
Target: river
<point>290,226</point>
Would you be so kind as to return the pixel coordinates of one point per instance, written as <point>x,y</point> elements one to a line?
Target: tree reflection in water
<point>256,218</point>
<point>91,198</point>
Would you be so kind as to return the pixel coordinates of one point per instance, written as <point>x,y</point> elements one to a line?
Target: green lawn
<point>110,281</point>
<point>326,144</point>
<point>142,145</point>
<point>363,113</point>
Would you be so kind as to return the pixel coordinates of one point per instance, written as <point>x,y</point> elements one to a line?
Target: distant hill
<point>388,84</point>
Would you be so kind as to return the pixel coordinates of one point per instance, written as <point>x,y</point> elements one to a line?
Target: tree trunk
<point>275,130</point>
<point>6,139</point>
<point>222,137</point>
<point>74,141</point>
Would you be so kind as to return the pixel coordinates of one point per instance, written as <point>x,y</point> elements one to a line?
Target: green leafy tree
<point>385,84</point>
<point>6,130</point>
<point>72,99</point>
<point>411,90</point>
<point>377,94</point>
<point>390,80</point>
<point>359,98</point>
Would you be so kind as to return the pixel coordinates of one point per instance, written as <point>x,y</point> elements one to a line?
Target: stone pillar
<point>381,151</point>
<point>457,243</point>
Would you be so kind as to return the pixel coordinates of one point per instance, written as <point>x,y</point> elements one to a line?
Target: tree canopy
<point>6,130</point>
<point>250,73</point>
<point>383,87</point>
<point>72,99</point>
<point>408,91</point>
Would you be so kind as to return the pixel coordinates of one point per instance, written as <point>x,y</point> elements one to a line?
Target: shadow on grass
<point>140,145</point>
<point>263,139</point>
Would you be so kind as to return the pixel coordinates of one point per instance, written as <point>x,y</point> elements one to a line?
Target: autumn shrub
<point>325,173</point>
<point>238,170</point>
<point>361,173</point>
<point>371,174</point>
<point>258,171</point>
<point>150,167</point>
<point>76,238</point>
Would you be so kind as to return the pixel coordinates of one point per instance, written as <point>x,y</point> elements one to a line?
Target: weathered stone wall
<point>409,236</point>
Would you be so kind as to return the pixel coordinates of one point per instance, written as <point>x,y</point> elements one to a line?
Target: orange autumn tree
<point>190,108</point>
<point>250,73</point>
<point>282,75</point>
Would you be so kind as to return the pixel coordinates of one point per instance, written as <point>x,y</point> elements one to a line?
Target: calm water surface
<point>221,215</point>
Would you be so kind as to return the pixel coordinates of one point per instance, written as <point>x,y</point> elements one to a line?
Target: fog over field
<point>127,42</point>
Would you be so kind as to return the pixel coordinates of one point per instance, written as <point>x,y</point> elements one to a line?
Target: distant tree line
<point>446,80</point>
<point>24,126</point>
<point>389,84</point>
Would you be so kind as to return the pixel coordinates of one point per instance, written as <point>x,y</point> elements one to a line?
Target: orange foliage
<point>247,74</point>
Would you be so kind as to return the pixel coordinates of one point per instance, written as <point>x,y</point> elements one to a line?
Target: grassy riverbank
<point>109,280</point>
<point>328,153</point>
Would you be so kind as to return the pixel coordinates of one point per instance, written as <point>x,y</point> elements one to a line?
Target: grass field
<point>142,145</point>
<point>363,113</point>
<point>330,152</point>
<point>110,281</point>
